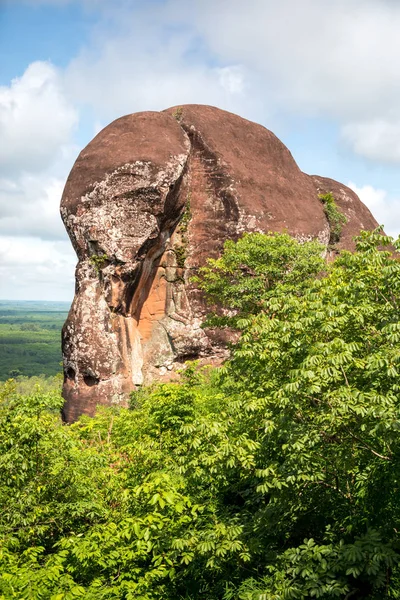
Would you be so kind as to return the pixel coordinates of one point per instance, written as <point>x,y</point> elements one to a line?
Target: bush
<point>255,267</point>
<point>336,219</point>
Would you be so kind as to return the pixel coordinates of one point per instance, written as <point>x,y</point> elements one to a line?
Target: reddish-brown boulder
<point>147,202</point>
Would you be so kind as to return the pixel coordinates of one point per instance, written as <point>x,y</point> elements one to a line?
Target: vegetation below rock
<point>275,477</point>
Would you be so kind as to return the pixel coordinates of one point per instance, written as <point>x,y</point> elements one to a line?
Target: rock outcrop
<point>147,202</point>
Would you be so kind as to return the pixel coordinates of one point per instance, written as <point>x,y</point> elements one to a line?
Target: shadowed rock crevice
<point>146,203</point>
<point>132,288</point>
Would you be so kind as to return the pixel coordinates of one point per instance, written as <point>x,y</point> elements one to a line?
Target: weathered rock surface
<point>147,202</point>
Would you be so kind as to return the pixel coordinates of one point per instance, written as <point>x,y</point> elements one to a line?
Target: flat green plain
<point>30,337</point>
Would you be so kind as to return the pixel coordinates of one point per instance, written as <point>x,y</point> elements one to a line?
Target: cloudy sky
<point>324,76</point>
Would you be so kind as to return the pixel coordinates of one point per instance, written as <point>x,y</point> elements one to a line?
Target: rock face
<point>146,203</point>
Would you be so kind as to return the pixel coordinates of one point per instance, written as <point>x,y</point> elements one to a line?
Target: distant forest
<point>30,338</point>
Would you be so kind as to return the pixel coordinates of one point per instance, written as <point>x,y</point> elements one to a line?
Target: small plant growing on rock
<point>187,215</point>
<point>178,113</point>
<point>180,253</point>
<point>99,261</point>
<point>181,250</point>
<point>336,219</point>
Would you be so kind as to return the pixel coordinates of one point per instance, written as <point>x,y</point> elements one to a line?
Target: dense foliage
<point>254,267</point>
<point>276,477</point>
<point>25,386</point>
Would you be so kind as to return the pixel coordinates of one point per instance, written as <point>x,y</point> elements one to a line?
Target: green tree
<point>256,266</point>
<point>14,373</point>
<point>275,477</point>
<point>317,375</point>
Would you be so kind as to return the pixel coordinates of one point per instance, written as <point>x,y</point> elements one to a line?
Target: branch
<point>345,377</point>
<point>367,446</point>
<point>364,444</point>
<point>334,488</point>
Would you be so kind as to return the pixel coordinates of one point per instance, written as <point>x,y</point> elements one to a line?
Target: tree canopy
<point>258,265</point>
<point>274,477</point>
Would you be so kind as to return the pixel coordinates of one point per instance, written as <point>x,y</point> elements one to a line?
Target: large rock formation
<point>147,202</point>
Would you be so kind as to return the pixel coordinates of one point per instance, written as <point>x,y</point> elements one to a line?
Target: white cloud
<point>36,124</point>
<point>146,65</point>
<point>232,79</point>
<point>36,269</point>
<point>385,209</point>
<point>29,205</point>
<point>378,139</point>
<point>36,120</point>
<point>337,59</point>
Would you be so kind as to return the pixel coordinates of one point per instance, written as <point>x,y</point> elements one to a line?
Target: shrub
<point>336,219</point>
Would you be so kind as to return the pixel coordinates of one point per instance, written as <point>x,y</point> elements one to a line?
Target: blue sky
<point>322,76</point>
